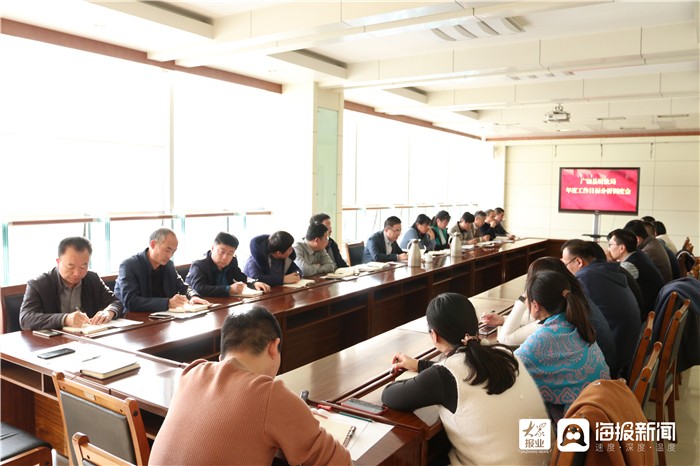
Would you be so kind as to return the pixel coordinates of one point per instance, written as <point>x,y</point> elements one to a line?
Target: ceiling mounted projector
<point>558,115</point>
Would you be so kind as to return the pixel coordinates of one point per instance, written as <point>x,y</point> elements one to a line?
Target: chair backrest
<point>354,251</point>
<point>671,342</point>
<point>11,298</point>
<point>645,382</point>
<point>92,455</point>
<point>183,270</point>
<point>113,424</point>
<point>110,281</point>
<point>642,349</point>
<point>668,312</point>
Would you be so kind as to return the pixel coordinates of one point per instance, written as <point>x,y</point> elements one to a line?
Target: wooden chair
<point>665,387</point>
<point>354,251</point>
<point>11,298</point>
<point>92,455</point>
<point>18,447</point>
<point>113,424</point>
<point>642,349</point>
<point>645,382</point>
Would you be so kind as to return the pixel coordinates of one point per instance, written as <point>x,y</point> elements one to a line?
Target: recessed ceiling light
<point>637,128</point>
<point>610,118</point>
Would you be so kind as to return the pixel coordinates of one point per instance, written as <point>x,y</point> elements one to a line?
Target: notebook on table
<point>103,367</point>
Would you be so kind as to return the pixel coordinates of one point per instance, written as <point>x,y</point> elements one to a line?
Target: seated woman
<point>562,356</point>
<point>439,226</point>
<point>420,230</point>
<point>519,324</point>
<point>479,389</point>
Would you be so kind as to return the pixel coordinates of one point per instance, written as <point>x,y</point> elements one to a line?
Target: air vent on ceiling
<point>478,28</point>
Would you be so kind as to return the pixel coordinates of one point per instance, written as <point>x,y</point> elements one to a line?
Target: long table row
<point>316,323</point>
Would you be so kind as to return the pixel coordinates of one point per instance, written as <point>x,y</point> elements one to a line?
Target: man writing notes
<point>69,295</point>
<point>218,273</point>
<point>332,248</point>
<point>148,280</point>
<point>272,259</point>
<point>382,246</point>
<point>312,257</point>
<point>234,411</point>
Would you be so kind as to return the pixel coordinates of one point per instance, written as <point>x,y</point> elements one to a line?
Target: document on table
<point>367,433</point>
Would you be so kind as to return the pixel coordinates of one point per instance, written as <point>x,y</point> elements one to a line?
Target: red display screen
<point>604,190</point>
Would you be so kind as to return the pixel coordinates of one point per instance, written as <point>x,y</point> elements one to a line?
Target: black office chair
<point>20,448</point>
<point>354,251</point>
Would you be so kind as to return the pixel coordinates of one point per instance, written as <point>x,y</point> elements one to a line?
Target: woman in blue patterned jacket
<point>562,356</point>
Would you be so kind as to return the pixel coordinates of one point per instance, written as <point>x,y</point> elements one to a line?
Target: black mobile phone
<point>487,330</point>
<point>46,333</point>
<point>55,353</point>
<point>362,405</point>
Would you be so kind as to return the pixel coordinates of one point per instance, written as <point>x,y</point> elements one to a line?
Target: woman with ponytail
<point>481,391</point>
<point>562,356</point>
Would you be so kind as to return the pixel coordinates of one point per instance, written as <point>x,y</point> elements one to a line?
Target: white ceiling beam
<point>159,15</point>
<point>312,63</point>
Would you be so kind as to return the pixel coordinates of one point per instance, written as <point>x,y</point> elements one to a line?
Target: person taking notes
<point>217,274</point>
<point>69,295</point>
<point>148,280</point>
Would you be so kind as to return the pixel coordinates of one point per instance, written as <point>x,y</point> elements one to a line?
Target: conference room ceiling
<point>489,69</point>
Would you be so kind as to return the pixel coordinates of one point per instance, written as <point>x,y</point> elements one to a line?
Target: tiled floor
<point>686,452</point>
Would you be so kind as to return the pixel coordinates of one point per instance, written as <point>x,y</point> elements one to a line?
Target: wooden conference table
<point>316,323</point>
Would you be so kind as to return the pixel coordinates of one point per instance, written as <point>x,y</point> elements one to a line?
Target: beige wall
<point>670,184</point>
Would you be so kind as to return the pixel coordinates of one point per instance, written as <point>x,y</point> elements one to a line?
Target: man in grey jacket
<point>312,257</point>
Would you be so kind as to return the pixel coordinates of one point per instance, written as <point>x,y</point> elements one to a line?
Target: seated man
<point>382,246</point>
<point>499,213</point>
<point>479,220</point>
<point>234,411</point>
<point>466,229</point>
<point>651,246</point>
<point>218,273</point>
<point>148,280</point>
<point>69,295</point>
<point>271,259</point>
<point>606,285</point>
<point>312,257</point>
<point>487,228</point>
<point>332,248</point>
<point>622,245</point>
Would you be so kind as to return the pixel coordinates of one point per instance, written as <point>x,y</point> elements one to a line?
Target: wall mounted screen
<point>602,190</point>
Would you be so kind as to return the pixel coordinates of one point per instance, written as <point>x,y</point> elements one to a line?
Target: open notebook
<point>247,293</point>
<point>89,329</point>
<point>300,284</point>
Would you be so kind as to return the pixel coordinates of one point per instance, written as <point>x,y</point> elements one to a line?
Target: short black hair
<point>498,210</point>
<point>226,239</point>
<point>315,230</point>
<point>624,237</point>
<point>659,227</point>
<point>280,241</point>
<point>637,227</point>
<point>467,217</point>
<point>160,234</point>
<point>648,218</point>
<point>479,214</point>
<point>78,243</point>
<point>579,248</point>
<point>250,331</point>
<point>319,218</point>
<point>391,221</point>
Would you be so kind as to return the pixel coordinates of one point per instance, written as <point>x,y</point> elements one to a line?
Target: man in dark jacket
<point>622,245</point>
<point>382,246</point>
<point>148,280</point>
<point>332,248</point>
<point>606,285</point>
<point>271,259</point>
<point>69,295</point>
<point>218,273</point>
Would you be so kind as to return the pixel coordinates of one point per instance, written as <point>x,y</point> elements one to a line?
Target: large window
<point>85,135</point>
<point>409,170</point>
